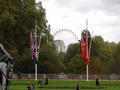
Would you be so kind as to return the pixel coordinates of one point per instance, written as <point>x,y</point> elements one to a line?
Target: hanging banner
<point>34,45</point>
<point>85,45</point>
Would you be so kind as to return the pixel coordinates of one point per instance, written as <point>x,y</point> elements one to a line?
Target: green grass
<point>65,85</point>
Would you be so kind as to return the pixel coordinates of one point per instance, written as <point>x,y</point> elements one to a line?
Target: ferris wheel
<point>66,35</point>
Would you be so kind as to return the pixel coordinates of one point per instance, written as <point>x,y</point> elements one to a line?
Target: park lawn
<point>65,85</point>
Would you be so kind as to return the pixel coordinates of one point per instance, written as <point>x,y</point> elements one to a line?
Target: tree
<point>18,19</point>
<point>72,50</point>
<point>114,64</point>
<point>48,61</point>
<point>76,65</point>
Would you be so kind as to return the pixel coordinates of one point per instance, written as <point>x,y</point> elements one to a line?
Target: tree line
<point>104,58</point>
<point>17,20</point>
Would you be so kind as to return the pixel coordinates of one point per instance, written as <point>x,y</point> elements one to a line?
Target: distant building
<point>60,46</point>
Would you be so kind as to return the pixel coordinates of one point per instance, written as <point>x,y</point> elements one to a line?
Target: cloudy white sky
<point>103,17</point>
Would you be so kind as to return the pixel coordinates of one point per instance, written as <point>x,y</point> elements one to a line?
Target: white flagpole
<point>36,52</point>
<point>87,50</point>
<point>36,71</point>
<point>87,72</point>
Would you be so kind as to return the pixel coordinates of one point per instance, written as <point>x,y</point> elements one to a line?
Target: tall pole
<point>87,72</point>
<point>86,23</point>
<point>36,52</point>
<point>87,51</point>
<point>36,71</point>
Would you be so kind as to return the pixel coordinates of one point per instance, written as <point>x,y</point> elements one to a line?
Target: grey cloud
<point>62,2</point>
<point>117,2</point>
<point>65,16</point>
<point>113,24</point>
<point>110,7</point>
<point>116,34</point>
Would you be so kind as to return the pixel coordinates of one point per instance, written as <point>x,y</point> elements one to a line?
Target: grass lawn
<point>65,85</point>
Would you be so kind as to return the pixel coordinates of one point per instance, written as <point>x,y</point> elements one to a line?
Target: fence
<point>68,76</point>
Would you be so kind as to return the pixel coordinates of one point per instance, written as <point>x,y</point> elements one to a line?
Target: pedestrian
<point>46,81</point>
<point>31,87</point>
<point>7,83</point>
<point>97,82</point>
<point>40,84</point>
<point>19,75</point>
<point>1,81</point>
<point>77,87</point>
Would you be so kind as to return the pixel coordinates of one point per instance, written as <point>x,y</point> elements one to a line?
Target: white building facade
<point>60,46</point>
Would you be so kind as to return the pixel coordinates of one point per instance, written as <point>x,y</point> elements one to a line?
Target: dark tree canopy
<point>17,20</point>
<point>19,17</point>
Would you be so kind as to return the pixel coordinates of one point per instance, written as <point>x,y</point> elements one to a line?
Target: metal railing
<point>69,76</point>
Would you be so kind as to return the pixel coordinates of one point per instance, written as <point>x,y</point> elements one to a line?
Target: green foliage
<point>17,20</point>
<point>48,60</point>
<point>19,17</point>
<point>104,57</point>
<point>114,65</point>
<point>76,65</point>
<point>72,50</point>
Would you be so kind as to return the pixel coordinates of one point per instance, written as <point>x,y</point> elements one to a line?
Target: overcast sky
<point>103,17</point>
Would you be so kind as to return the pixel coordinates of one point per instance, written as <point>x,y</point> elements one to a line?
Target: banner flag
<point>85,46</point>
<point>34,45</point>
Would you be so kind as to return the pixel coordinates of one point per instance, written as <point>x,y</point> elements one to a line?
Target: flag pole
<point>87,50</point>
<point>87,72</point>
<point>36,71</point>
<point>36,52</point>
